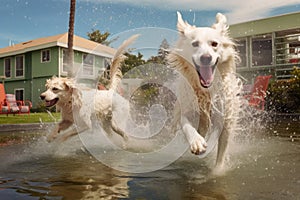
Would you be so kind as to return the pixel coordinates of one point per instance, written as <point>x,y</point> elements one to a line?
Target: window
<point>242,50</point>
<point>7,67</point>
<point>287,44</point>
<point>88,64</point>
<point>19,94</point>
<point>19,66</point>
<point>65,61</point>
<point>45,55</point>
<point>262,50</point>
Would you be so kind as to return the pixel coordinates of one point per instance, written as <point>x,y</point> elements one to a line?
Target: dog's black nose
<point>205,59</point>
<point>42,97</point>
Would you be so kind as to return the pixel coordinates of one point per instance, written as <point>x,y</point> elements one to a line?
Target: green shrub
<point>284,95</point>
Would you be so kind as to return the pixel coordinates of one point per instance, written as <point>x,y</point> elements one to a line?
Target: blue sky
<point>23,20</point>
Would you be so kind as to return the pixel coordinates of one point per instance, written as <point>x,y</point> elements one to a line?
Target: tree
<point>161,54</point>
<point>99,37</point>
<point>163,49</point>
<point>70,56</point>
<point>155,59</point>
<point>132,61</point>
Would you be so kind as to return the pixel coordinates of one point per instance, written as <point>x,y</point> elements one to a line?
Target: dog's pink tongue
<point>206,74</point>
<point>50,103</point>
<point>47,103</point>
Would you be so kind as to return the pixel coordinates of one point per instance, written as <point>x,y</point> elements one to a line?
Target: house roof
<point>266,25</point>
<point>79,44</point>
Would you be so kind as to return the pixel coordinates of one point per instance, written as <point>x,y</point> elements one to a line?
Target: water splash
<point>50,114</point>
<point>247,124</point>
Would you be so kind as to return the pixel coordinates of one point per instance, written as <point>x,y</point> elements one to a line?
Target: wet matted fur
<point>67,95</point>
<point>198,53</point>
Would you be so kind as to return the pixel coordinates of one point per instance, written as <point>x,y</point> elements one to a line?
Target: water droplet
<point>88,187</point>
<point>91,180</point>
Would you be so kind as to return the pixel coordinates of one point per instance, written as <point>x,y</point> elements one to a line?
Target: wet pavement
<point>260,166</point>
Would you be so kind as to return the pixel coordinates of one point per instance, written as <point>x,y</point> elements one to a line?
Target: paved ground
<point>23,127</point>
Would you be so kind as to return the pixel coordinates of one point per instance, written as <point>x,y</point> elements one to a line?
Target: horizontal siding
<point>40,69</point>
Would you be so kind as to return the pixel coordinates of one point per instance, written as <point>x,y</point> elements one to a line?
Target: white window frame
<point>10,67</point>
<point>246,53</point>
<point>23,66</point>
<point>49,55</point>
<point>23,96</point>
<point>264,37</point>
<point>86,65</point>
<point>64,61</point>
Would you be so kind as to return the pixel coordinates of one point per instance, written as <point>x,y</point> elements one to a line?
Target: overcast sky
<point>23,20</point>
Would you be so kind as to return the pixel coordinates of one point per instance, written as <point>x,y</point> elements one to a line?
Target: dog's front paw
<point>198,145</point>
<point>196,141</point>
<point>50,138</point>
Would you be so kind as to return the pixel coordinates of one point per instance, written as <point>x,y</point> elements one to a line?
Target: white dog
<point>197,54</point>
<point>67,95</point>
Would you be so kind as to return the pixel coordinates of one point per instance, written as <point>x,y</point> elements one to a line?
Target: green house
<point>26,66</point>
<point>269,46</point>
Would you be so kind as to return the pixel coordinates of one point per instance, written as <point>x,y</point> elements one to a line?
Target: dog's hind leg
<point>222,148</point>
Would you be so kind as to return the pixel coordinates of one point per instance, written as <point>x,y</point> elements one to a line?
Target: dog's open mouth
<point>206,73</point>
<point>51,102</point>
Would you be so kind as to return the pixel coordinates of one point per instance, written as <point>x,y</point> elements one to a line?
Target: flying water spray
<point>153,95</point>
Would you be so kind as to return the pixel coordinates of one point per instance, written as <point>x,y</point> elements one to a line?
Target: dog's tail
<point>115,69</point>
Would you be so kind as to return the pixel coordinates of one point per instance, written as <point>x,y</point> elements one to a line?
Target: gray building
<point>269,46</point>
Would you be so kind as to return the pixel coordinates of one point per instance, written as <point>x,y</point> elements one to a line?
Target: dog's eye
<point>214,44</point>
<point>195,44</point>
<point>54,89</point>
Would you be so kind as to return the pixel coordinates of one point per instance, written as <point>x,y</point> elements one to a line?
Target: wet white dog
<point>199,52</point>
<point>67,95</point>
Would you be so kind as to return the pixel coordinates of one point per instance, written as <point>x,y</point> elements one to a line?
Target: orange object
<point>9,104</point>
<point>4,107</point>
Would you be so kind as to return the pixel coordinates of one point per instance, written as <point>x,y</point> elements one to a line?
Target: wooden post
<point>71,71</point>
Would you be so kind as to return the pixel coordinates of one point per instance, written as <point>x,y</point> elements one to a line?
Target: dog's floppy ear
<point>182,26</point>
<point>221,24</point>
<point>48,82</point>
<point>70,83</point>
<point>76,94</point>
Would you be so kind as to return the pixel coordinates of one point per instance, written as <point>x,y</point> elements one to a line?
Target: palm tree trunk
<point>71,71</point>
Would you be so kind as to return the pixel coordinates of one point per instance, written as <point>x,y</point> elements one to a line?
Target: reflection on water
<point>260,167</point>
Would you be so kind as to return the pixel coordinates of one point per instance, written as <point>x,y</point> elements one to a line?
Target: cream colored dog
<point>67,95</point>
<point>199,52</point>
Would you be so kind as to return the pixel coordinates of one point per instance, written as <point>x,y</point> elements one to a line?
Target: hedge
<point>284,95</point>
